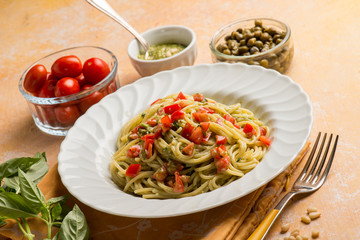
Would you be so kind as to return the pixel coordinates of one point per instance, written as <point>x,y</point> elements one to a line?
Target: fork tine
<point>306,167</point>
<point>328,165</point>
<point>322,162</point>
<point>313,167</point>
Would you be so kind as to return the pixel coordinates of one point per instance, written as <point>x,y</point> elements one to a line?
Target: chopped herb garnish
<point>143,115</point>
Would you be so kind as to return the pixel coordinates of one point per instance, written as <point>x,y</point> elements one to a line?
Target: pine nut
<point>295,232</point>
<point>286,238</point>
<point>314,234</point>
<point>305,238</point>
<point>285,228</point>
<point>292,238</point>
<point>298,237</point>
<point>305,219</point>
<point>312,209</point>
<point>314,215</point>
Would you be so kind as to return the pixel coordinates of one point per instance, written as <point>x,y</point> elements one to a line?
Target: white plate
<point>84,157</point>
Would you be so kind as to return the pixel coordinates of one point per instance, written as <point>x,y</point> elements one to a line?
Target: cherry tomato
<point>90,100</point>
<point>35,78</point>
<point>196,136</point>
<point>220,140</point>
<point>198,97</point>
<point>179,114</point>
<point>265,140</point>
<point>67,114</point>
<point>187,130</point>
<point>179,186</point>
<point>133,170</point>
<point>229,118</point>
<point>95,70</point>
<point>81,80</point>
<point>66,86</point>
<point>46,115</point>
<point>200,116</point>
<point>204,126</point>
<point>67,66</point>
<point>222,164</point>
<point>180,96</point>
<point>48,89</point>
<point>249,130</point>
<point>189,149</point>
<point>166,123</point>
<point>172,108</point>
<point>160,174</point>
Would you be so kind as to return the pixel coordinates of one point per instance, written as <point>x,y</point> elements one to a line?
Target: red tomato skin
<point>172,108</point>
<point>179,186</point>
<point>265,140</point>
<point>187,130</point>
<point>198,97</point>
<point>66,86</point>
<point>48,89</point>
<point>222,164</point>
<point>205,139</point>
<point>262,131</point>
<point>133,151</point>
<point>46,115</point>
<point>166,123</point>
<point>229,118</point>
<point>200,117</point>
<point>179,114</point>
<point>95,70</point>
<point>220,140</point>
<point>204,126</point>
<point>180,96</point>
<point>189,149</point>
<point>81,80</point>
<point>133,170</point>
<point>196,136</point>
<point>35,78</point>
<point>67,115</point>
<point>90,100</point>
<point>67,66</point>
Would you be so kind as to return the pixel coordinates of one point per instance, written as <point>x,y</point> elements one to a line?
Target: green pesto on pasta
<point>185,145</point>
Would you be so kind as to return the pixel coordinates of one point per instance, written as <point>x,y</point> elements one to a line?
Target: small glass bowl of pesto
<point>171,46</point>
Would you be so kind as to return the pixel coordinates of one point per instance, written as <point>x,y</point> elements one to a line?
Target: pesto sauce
<point>165,50</point>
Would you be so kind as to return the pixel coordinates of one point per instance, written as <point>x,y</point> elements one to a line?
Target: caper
<point>231,43</point>
<point>246,54</point>
<point>235,51</point>
<point>254,50</point>
<point>278,40</point>
<point>239,30</point>
<point>257,34</point>
<point>257,29</point>
<point>243,49</point>
<point>227,52</point>
<point>258,23</point>
<point>228,37</point>
<point>251,42</point>
<point>259,44</point>
<point>264,63</point>
<point>238,36</point>
<point>265,37</point>
<point>242,42</point>
<point>272,31</point>
<point>221,47</point>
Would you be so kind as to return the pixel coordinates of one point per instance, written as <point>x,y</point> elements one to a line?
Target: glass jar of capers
<point>261,41</point>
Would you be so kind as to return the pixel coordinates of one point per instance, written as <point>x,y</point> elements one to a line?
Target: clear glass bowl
<point>46,111</point>
<point>278,57</point>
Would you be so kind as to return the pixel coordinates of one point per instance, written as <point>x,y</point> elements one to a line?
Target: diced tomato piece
<point>219,152</point>
<point>220,140</point>
<point>134,136</point>
<point>189,149</point>
<point>204,126</point>
<point>135,130</point>
<point>184,104</point>
<point>155,101</point>
<point>180,96</point>
<point>173,166</point>
<point>206,109</point>
<point>222,164</point>
<point>187,130</point>
<point>220,121</point>
<point>172,108</point>
<point>262,131</point>
<point>249,130</point>
<point>206,138</point>
<point>198,97</point>
<point>179,186</point>
<point>158,131</point>
<point>151,122</point>
<point>170,183</point>
<point>229,118</point>
<point>237,126</point>
<point>179,114</point>
<point>149,148</point>
<point>148,136</point>
<point>265,140</point>
<point>134,151</point>
<point>160,111</point>
<point>160,174</point>
<point>166,123</point>
<point>196,136</point>
<point>201,117</point>
<point>133,170</point>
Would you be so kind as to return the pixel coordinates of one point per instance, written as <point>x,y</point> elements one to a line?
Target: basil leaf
<point>55,200</point>
<point>11,166</point>
<point>30,192</point>
<point>56,237</point>
<point>14,206</point>
<point>2,222</point>
<point>35,173</point>
<point>56,212</point>
<point>74,226</point>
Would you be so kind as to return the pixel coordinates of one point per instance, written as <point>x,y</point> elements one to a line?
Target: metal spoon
<point>104,7</point>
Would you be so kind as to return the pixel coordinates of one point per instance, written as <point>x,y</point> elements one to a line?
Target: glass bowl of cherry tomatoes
<point>62,86</point>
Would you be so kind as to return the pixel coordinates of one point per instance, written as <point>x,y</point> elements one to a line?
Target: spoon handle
<point>104,7</point>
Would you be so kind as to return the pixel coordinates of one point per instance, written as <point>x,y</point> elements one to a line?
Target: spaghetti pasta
<point>185,145</point>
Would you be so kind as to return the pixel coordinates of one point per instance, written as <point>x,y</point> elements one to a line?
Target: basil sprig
<point>20,199</point>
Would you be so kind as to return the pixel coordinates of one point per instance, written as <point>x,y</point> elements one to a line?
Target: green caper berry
<point>242,42</point>
<point>272,31</point>
<point>227,52</point>
<point>258,23</point>
<point>257,34</point>
<point>264,63</point>
<point>243,49</point>
<point>259,44</point>
<point>265,37</point>
<point>251,42</point>
<point>238,36</point>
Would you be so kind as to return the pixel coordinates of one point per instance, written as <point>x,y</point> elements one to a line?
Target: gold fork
<point>309,180</point>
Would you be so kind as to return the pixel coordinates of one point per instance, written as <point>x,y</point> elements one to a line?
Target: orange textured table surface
<point>326,35</point>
